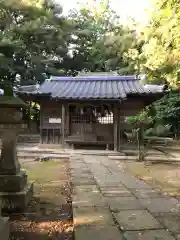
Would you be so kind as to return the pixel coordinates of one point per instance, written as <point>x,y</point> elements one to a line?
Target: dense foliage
<point>36,41</point>
<point>161,51</point>
<point>101,43</point>
<point>33,39</point>
<point>161,118</point>
<point>160,61</point>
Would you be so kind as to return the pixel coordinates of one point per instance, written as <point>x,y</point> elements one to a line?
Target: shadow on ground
<point>42,221</point>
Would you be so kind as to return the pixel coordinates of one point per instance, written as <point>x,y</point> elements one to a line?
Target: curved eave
<point>87,99</point>
<point>115,99</point>
<point>34,95</point>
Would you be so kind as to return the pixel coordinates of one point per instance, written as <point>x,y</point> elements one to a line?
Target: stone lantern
<point>15,192</point>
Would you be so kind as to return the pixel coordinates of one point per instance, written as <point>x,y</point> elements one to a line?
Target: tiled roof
<point>29,88</point>
<point>1,91</point>
<point>92,87</point>
<point>155,88</point>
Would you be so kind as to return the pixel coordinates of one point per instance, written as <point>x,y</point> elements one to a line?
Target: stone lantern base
<point>15,192</point>
<point>4,227</point>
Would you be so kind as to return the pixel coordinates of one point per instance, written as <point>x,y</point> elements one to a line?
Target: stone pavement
<point>110,204</point>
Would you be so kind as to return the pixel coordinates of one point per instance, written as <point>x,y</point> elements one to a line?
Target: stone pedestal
<point>15,192</point>
<point>4,227</point>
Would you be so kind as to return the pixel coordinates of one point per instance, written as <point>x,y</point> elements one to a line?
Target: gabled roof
<point>92,87</point>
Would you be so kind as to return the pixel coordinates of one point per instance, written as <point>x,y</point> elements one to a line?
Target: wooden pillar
<point>68,119</point>
<point>41,123</point>
<point>119,129</point>
<point>115,124</point>
<point>63,124</point>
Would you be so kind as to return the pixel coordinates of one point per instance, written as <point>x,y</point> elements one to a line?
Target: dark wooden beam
<point>68,119</point>
<point>63,124</point>
<point>115,124</point>
<point>119,129</point>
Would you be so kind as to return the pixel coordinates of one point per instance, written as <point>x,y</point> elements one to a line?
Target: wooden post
<point>68,120</point>
<point>63,124</point>
<point>47,137</point>
<point>119,129</point>
<point>41,124</point>
<point>115,123</point>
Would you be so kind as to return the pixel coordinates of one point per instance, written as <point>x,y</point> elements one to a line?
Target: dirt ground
<point>49,215</point>
<point>162,176</point>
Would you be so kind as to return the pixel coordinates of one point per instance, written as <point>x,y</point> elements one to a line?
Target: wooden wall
<point>92,132</point>
<point>52,133</point>
<point>129,107</point>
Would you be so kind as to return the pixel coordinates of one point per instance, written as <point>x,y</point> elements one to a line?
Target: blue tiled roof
<point>92,87</point>
<point>95,78</point>
<point>29,89</point>
<point>1,91</point>
<point>155,88</point>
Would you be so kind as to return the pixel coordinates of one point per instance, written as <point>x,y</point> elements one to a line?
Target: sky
<point>125,8</point>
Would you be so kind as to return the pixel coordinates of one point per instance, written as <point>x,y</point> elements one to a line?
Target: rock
<point>42,159</point>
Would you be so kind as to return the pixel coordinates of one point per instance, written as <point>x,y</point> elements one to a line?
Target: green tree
<point>163,116</point>
<point>167,112</point>
<point>139,124</point>
<point>33,40</point>
<point>161,51</point>
<point>101,43</point>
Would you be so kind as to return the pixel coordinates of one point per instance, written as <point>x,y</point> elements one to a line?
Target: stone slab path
<point>110,204</point>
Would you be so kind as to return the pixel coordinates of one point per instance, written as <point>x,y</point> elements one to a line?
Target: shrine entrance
<point>91,123</point>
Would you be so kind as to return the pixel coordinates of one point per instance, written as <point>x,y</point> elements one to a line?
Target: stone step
<point>27,139</point>
<point>163,159</point>
<point>4,228</point>
<point>34,138</point>
<point>133,152</point>
<point>130,158</point>
<point>37,155</point>
<point>168,148</point>
<point>157,159</point>
<point>50,148</point>
<point>29,151</point>
<point>100,153</point>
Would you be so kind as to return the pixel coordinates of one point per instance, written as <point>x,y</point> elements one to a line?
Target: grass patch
<point>43,172</point>
<point>50,163</point>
